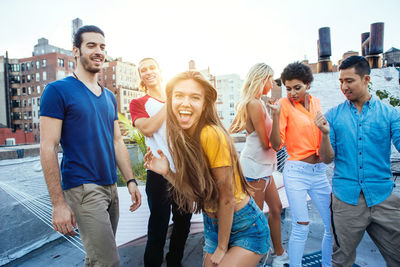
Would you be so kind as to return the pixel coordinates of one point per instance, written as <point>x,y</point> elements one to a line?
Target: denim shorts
<point>248,179</point>
<point>249,230</point>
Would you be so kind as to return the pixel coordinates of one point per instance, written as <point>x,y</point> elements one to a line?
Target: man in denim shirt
<point>361,132</point>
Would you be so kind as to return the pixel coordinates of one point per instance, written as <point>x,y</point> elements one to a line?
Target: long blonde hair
<point>195,188</point>
<point>256,79</point>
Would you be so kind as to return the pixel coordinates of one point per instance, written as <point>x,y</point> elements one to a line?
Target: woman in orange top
<point>208,176</point>
<point>297,120</point>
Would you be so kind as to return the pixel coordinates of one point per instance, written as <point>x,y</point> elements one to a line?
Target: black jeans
<point>160,209</point>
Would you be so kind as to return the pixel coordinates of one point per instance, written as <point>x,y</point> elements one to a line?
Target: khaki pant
<point>97,212</point>
<point>349,222</point>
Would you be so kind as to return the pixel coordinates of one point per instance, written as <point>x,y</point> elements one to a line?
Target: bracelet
<point>131,180</point>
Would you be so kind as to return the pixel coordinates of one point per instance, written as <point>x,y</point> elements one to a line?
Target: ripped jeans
<point>301,178</point>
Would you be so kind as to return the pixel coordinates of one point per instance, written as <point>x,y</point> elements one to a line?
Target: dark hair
<point>87,28</point>
<point>360,64</point>
<point>299,71</point>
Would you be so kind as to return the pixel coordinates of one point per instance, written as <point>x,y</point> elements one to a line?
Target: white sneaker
<point>279,261</point>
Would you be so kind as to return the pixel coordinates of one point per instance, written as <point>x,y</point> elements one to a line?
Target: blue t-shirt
<point>87,135</point>
<point>362,146</point>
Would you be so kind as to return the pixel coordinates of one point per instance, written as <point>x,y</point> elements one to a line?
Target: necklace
<point>76,76</point>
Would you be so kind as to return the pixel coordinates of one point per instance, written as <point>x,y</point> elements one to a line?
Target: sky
<point>228,36</point>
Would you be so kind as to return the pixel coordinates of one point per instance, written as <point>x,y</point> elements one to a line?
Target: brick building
<point>28,78</point>
<point>122,78</point>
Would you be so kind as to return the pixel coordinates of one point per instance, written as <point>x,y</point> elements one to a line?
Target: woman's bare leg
<point>274,215</point>
<point>207,260</point>
<point>239,257</point>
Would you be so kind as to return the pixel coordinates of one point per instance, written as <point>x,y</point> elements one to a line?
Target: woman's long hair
<point>255,81</point>
<point>195,188</point>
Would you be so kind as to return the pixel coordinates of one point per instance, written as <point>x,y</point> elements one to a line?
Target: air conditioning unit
<point>10,142</point>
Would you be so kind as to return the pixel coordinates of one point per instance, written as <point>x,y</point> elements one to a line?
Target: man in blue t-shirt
<point>82,116</point>
<point>362,129</point>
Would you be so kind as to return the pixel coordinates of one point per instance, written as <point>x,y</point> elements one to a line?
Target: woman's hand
<point>275,106</point>
<point>321,123</point>
<point>219,253</point>
<point>158,165</point>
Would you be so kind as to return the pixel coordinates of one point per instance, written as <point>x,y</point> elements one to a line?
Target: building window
<point>30,127</point>
<point>37,64</point>
<point>232,113</point>
<point>13,67</point>
<point>25,116</point>
<point>23,91</point>
<point>60,62</point>
<point>232,105</point>
<point>30,115</point>
<point>219,113</point>
<point>25,127</point>
<point>71,65</point>
<point>33,103</point>
<point>29,90</point>
<point>44,63</point>
<point>23,78</point>
<point>44,75</point>
<point>38,77</point>
<point>22,67</point>
<point>38,101</point>
<point>29,102</point>
<point>38,89</point>
<point>113,77</point>
<point>28,78</point>
<point>28,66</point>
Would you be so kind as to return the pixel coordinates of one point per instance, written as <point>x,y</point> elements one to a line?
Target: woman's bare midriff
<point>238,206</point>
<point>313,159</point>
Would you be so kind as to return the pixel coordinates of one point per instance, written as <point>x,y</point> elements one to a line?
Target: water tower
<point>324,50</point>
<point>372,45</point>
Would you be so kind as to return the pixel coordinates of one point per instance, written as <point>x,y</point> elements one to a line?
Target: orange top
<point>298,129</point>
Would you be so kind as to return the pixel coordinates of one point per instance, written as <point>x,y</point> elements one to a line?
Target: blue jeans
<point>249,230</point>
<point>300,179</point>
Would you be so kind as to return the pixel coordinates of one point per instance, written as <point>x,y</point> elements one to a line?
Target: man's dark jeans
<point>160,209</point>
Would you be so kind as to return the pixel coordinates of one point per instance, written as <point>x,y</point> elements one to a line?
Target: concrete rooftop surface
<point>22,178</point>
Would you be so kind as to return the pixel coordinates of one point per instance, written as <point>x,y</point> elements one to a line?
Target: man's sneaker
<point>280,261</point>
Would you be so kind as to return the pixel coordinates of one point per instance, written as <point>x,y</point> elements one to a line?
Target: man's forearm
<point>325,149</point>
<point>123,159</point>
<point>148,126</point>
<point>51,171</point>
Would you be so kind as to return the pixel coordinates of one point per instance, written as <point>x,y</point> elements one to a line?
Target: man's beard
<point>86,65</point>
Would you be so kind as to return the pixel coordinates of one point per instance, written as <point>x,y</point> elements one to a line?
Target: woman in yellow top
<point>208,175</point>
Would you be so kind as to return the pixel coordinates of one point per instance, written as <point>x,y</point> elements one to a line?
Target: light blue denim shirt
<point>362,146</point>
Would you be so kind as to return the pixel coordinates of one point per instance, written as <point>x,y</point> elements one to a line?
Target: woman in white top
<point>258,159</point>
